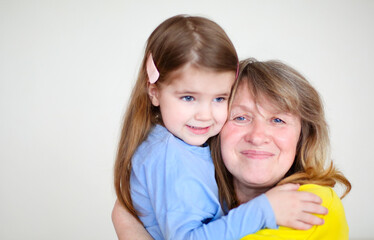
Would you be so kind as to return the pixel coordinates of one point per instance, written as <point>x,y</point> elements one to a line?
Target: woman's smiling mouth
<point>254,154</point>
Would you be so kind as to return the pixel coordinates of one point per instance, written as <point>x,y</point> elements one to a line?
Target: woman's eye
<point>187,98</point>
<point>278,120</point>
<point>240,118</point>
<point>219,99</point>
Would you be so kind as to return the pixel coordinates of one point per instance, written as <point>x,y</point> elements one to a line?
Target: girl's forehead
<point>181,72</point>
<point>190,68</point>
<point>190,76</point>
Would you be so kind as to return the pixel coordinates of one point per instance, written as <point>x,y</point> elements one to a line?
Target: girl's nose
<point>204,112</point>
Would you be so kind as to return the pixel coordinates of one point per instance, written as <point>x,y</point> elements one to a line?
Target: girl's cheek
<point>220,113</point>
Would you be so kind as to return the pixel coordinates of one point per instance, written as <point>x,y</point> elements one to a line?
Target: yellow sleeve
<point>334,228</point>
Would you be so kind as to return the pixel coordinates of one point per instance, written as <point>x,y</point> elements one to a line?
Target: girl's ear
<point>154,94</point>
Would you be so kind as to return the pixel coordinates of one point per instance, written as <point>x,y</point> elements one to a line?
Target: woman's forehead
<point>246,96</point>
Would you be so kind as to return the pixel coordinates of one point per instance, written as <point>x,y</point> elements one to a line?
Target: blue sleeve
<point>246,219</point>
<point>183,196</point>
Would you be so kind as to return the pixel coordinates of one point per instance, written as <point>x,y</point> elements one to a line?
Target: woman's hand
<point>127,226</point>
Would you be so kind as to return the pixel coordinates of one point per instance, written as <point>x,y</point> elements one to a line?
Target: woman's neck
<point>245,193</point>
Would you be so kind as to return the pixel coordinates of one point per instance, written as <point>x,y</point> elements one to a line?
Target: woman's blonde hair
<point>177,41</point>
<point>290,92</point>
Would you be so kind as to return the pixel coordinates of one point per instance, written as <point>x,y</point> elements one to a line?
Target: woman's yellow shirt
<point>335,226</point>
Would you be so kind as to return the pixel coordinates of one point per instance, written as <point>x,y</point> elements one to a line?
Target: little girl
<point>164,172</point>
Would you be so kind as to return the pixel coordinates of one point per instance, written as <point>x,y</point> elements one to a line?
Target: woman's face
<point>258,142</point>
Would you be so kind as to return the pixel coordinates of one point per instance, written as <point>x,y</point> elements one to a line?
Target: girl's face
<point>194,104</point>
<point>258,142</point>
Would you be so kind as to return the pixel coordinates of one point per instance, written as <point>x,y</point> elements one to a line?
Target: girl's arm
<point>127,226</point>
<point>175,191</point>
<point>173,186</point>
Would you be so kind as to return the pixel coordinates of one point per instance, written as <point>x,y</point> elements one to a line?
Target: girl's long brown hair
<point>177,41</point>
<point>290,92</point>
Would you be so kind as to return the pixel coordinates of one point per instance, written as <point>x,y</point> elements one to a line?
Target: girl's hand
<point>294,208</point>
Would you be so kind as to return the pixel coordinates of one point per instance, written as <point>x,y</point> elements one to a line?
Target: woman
<point>276,133</point>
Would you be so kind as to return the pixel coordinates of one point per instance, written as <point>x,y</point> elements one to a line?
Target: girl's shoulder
<point>159,140</point>
<point>153,146</point>
<point>161,146</point>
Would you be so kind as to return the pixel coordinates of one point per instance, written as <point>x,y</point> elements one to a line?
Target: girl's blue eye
<point>219,99</point>
<point>278,120</point>
<point>187,98</point>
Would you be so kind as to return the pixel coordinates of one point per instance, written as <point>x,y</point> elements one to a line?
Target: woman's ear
<point>154,94</point>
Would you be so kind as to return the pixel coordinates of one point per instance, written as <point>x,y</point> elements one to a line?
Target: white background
<point>67,68</point>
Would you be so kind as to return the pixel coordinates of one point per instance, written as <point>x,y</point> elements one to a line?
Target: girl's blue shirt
<point>173,188</point>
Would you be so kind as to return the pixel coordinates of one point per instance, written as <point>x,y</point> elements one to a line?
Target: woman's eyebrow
<point>282,112</point>
<point>240,107</point>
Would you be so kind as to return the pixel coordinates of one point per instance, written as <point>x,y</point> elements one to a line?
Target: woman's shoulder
<point>335,219</point>
<point>330,199</point>
<point>327,194</point>
<point>334,228</point>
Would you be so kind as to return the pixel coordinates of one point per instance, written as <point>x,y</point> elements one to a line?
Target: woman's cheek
<point>228,131</point>
<point>230,136</point>
<point>287,140</point>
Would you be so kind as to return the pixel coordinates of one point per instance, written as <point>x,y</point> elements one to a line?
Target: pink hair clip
<point>152,71</point>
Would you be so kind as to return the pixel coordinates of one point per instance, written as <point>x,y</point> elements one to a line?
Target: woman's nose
<point>257,133</point>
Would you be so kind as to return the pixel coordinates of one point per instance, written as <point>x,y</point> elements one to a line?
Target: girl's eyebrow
<point>185,92</point>
<point>225,94</point>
